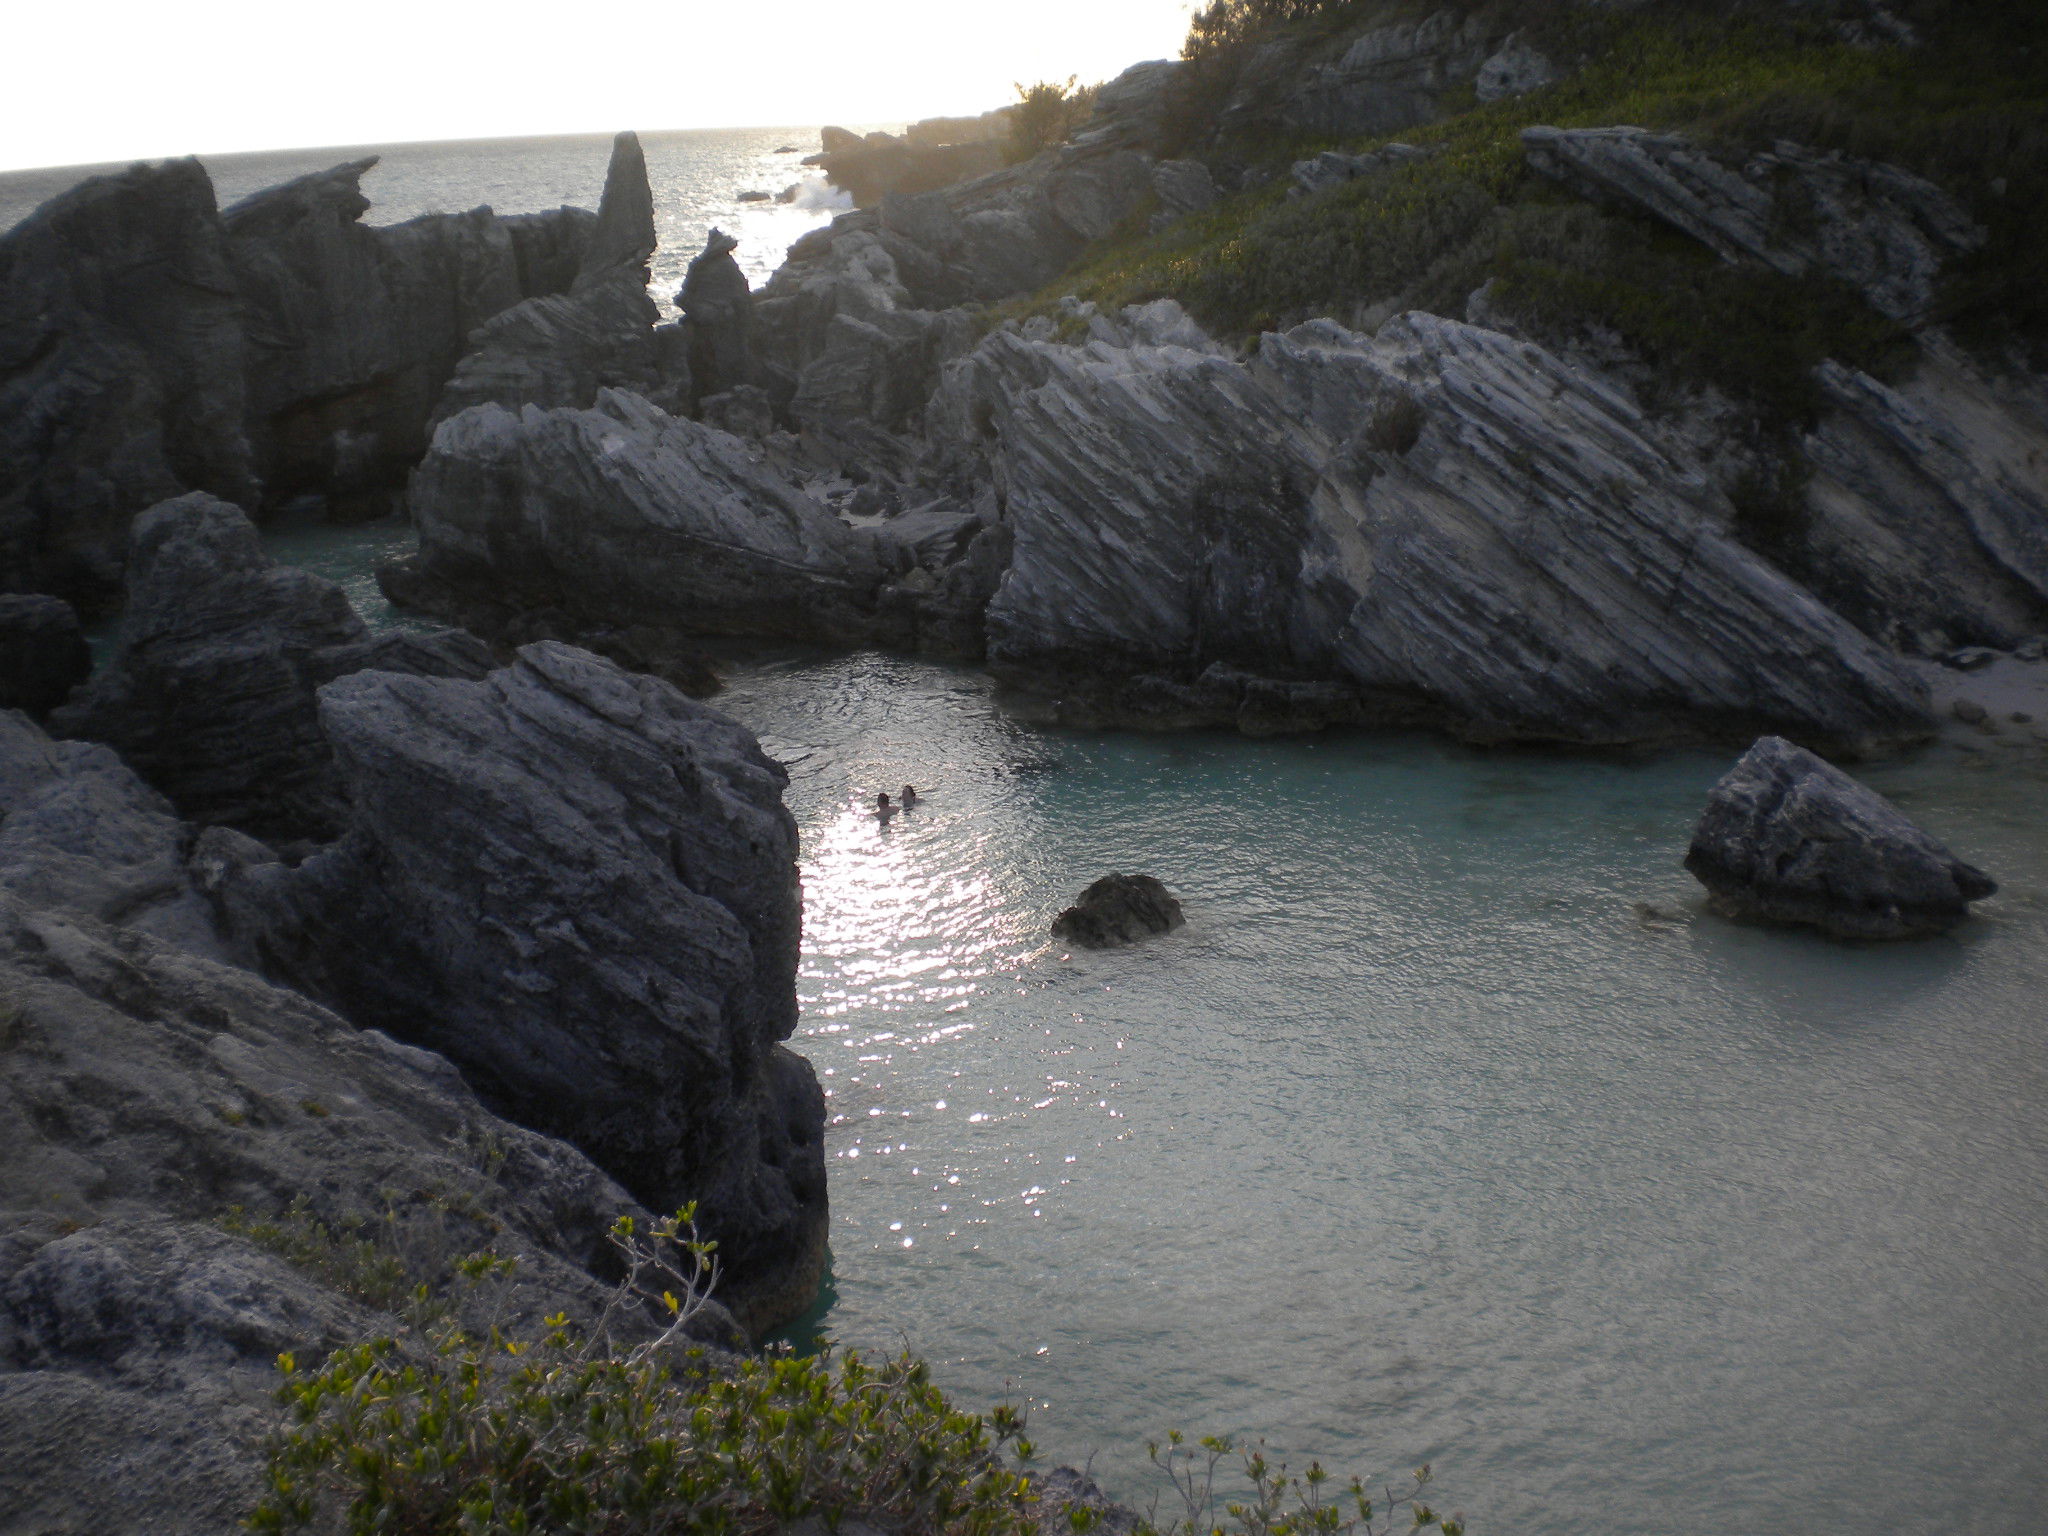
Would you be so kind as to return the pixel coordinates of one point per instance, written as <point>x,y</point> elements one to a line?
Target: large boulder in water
<point>1118,910</point>
<point>43,654</point>
<point>581,887</point>
<point>1790,838</point>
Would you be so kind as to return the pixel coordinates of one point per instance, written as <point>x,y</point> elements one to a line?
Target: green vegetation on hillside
<point>1968,108</point>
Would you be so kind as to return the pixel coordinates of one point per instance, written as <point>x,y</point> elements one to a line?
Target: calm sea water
<point>1449,1129</point>
<point>697,176</point>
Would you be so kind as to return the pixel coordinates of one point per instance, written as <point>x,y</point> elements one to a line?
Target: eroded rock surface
<point>1787,837</point>
<point>581,887</point>
<point>1883,230</point>
<point>1118,910</point>
<point>148,1091</point>
<point>1440,523</point>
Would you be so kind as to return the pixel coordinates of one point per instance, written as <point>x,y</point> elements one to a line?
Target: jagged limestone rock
<point>562,348</point>
<point>209,693</point>
<point>120,372</point>
<point>718,308</point>
<point>1448,524</point>
<point>79,831</point>
<point>1880,229</point>
<point>1787,837</point>
<point>148,1091</point>
<point>581,888</point>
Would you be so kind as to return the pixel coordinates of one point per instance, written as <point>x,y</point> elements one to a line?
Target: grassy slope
<point>1970,106</point>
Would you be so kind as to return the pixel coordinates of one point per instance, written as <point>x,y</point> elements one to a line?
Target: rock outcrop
<point>624,515</point>
<point>872,167</point>
<point>718,307</point>
<point>1118,910</point>
<point>581,888</point>
<point>79,831</point>
<point>1880,229</point>
<point>1439,523</point>
<point>121,376</point>
<point>562,348</point>
<point>148,1092</point>
<point>209,693</point>
<point>43,653</point>
<point>1789,838</point>
<point>151,345</point>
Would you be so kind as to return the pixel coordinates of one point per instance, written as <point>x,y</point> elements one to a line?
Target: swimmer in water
<point>909,796</point>
<point>883,809</point>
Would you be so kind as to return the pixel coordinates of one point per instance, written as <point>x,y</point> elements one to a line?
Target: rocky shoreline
<point>495,930</point>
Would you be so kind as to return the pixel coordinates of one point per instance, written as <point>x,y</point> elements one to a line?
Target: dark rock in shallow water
<point>1118,910</point>
<point>43,654</point>
<point>1790,838</point>
<point>581,887</point>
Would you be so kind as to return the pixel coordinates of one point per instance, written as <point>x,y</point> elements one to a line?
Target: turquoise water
<point>1449,1129</point>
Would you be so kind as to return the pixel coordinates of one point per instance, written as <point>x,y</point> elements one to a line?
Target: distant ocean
<point>697,174</point>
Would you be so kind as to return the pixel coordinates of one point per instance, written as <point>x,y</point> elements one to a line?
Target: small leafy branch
<point>1280,1503</point>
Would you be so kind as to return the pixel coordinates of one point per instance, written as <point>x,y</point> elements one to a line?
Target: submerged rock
<point>581,887</point>
<point>1118,910</point>
<point>1787,837</point>
<point>43,654</point>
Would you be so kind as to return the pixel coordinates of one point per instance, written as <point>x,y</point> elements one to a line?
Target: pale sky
<point>118,80</point>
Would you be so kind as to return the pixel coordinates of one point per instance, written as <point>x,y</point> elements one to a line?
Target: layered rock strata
<point>1789,838</point>
<point>151,344</point>
<point>623,515</point>
<point>581,888</point>
<point>150,1091</point>
<point>1440,523</point>
<point>562,348</point>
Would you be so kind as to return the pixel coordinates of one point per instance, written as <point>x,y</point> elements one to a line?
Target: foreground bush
<point>464,1431</point>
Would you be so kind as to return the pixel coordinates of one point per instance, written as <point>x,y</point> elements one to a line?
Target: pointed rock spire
<point>624,237</point>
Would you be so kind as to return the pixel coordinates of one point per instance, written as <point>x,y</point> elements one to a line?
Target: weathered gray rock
<point>1182,187</point>
<point>1452,525</point>
<point>873,167</point>
<point>120,372</point>
<point>1332,168</point>
<point>1883,230</point>
<point>1065,1491</point>
<point>43,654</point>
<point>79,831</point>
<point>148,1091</point>
<point>625,514</point>
<point>1131,111</point>
<point>1926,512</point>
<point>208,694</point>
<point>1516,70</point>
<point>1787,837</point>
<point>562,348</point>
<point>354,329</point>
<point>1118,910</point>
<point>718,308</point>
<point>581,887</point>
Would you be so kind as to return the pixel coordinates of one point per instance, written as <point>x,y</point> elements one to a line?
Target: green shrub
<point>627,1427</point>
